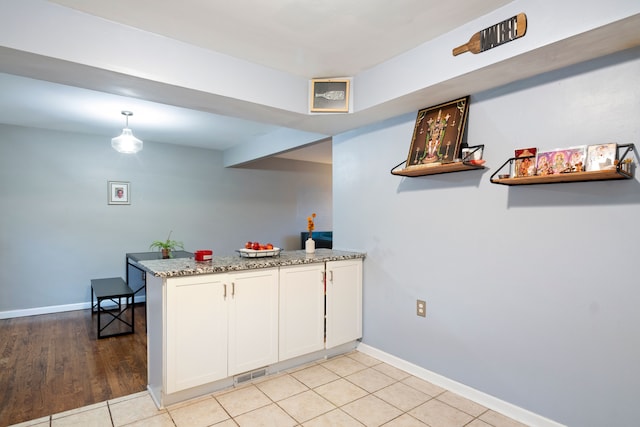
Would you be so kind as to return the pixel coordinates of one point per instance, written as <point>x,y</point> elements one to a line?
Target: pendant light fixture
<point>126,143</point>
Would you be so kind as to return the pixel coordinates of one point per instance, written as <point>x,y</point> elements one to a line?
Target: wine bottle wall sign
<point>496,35</point>
<point>329,96</point>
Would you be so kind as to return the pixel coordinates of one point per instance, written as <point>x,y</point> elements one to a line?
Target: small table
<point>141,284</point>
<point>109,290</point>
<point>137,277</point>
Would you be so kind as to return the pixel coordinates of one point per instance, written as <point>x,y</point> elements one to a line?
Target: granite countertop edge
<point>179,267</point>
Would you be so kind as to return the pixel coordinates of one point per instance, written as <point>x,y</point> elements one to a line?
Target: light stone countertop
<point>176,267</point>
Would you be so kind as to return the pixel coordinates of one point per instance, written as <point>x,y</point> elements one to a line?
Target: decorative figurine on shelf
<point>310,244</point>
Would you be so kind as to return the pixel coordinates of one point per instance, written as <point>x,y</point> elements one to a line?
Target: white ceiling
<point>303,37</point>
<point>327,38</point>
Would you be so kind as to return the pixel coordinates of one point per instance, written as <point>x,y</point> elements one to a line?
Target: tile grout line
<point>113,424</point>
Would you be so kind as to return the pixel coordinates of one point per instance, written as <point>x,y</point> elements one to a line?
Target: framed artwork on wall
<point>438,133</point>
<point>329,96</point>
<point>118,193</point>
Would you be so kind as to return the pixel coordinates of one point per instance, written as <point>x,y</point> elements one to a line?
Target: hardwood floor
<point>54,362</point>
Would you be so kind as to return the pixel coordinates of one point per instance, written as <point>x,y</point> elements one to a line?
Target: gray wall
<point>532,291</point>
<point>57,231</point>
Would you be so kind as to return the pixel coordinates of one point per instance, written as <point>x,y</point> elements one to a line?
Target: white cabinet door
<point>344,301</point>
<point>253,320</point>
<point>196,335</point>
<point>301,310</point>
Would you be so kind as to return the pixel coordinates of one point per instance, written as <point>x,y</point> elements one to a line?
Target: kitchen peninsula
<point>217,323</point>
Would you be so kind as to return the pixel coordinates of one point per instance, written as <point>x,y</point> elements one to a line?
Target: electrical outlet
<point>421,308</point>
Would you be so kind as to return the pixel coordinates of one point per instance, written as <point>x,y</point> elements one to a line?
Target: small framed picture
<point>576,157</point>
<point>525,164</point>
<point>602,156</point>
<point>329,96</point>
<point>118,193</point>
<point>543,165</point>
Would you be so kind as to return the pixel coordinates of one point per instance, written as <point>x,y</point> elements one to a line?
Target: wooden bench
<point>113,290</point>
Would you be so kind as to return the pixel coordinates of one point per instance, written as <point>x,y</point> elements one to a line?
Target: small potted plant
<point>167,246</point>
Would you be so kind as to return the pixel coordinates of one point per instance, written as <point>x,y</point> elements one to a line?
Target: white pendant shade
<point>126,143</point>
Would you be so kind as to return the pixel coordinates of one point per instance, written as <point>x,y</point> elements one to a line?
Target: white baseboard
<point>44,310</point>
<point>9,314</point>
<point>517,413</point>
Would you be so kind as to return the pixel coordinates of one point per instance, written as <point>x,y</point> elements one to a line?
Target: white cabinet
<point>196,334</point>
<point>344,301</point>
<point>320,306</point>
<point>219,325</point>
<point>216,326</point>
<point>253,320</point>
<point>301,310</point>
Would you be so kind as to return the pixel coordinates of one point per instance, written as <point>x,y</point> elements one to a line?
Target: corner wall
<point>531,292</point>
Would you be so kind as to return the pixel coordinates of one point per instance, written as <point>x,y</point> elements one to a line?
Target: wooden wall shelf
<point>565,177</point>
<point>621,171</point>
<point>466,164</point>
<point>422,170</point>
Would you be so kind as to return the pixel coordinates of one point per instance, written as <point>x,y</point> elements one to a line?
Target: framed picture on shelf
<point>525,164</point>
<point>118,193</point>
<point>438,133</point>
<point>543,165</point>
<point>577,157</point>
<point>602,156</point>
<point>563,160</point>
<point>329,96</point>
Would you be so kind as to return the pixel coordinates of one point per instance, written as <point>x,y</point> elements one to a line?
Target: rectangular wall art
<point>329,96</point>
<point>118,193</point>
<point>438,133</point>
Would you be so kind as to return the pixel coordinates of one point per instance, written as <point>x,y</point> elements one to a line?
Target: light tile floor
<point>349,390</point>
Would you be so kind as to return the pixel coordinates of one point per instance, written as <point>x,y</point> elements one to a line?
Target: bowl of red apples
<point>257,249</point>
